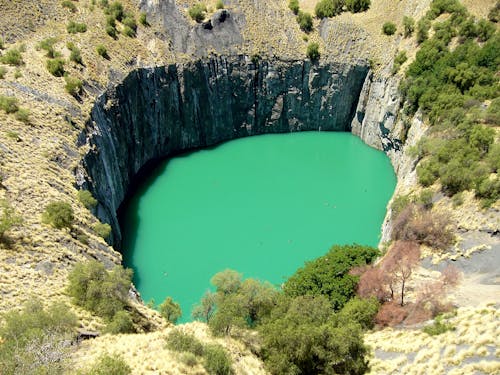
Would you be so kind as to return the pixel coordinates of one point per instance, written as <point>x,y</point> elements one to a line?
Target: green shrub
<point>75,55</point>
<point>3,71</point>
<point>423,27</point>
<point>399,60</point>
<point>8,104</point>
<point>425,199</point>
<point>143,20</point>
<point>2,46</point>
<point>120,323</point>
<point>356,6</point>
<point>111,31</point>
<point>37,340</point>
<point>70,5</point>
<point>189,359</point>
<point>102,229</point>
<point>23,115</point>
<point>86,198</point>
<point>8,218</point>
<point>170,310</point>
<point>116,10</point>
<point>55,67</point>
<point>389,28</point>
<point>328,8</point>
<point>17,74</point>
<point>76,27</point>
<point>94,288</point>
<point>58,214</point>
<point>12,57</point>
<point>494,14</point>
<point>217,361</point>
<point>73,85</point>
<point>183,342</point>
<point>102,51</point>
<point>110,365</point>
<point>313,51</point>
<point>48,46</point>
<point>361,311</point>
<point>127,31</point>
<point>197,12</point>
<point>294,6</point>
<point>399,203</point>
<point>485,30</point>
<point>305,21</point>
<point>129,21</point>
<point>408,26</point>
<point>438,327</point>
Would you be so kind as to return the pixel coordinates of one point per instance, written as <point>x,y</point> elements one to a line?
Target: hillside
<point>46,140</point>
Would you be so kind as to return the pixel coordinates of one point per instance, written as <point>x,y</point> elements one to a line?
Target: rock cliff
<point>161,111</point>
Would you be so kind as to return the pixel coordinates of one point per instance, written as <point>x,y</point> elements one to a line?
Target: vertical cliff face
<point>161,111</point>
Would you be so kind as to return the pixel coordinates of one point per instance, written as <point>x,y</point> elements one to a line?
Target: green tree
<point>217,361</point>
<point>328,8</point>
<point>58,214</point>
<point>227,281</point>
<point>362,311</point>
<point>98,290</point>
<point>8,218</point>
<point>206,308</point>
<point>302,336</point>
<point>329,275</point>
<point>170,310</point>
<point>36,340</point>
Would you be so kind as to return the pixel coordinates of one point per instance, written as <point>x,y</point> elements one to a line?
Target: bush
<point>120,323</point>
<point>183,342</point>
<point>111,31</point>
<point>108,365</point>
<point>8,104</point>
<point>12,57</point>
<point>189,359</point>
<point>3,71</point>
<point>102,51</point>
<point>23,115</point>
<point>399,60</point>
<point>1,43</point>
<point>86,198</point>
<point>75,55</point>
<point>494,14</point>
<point>143,20</point>
<point>408,26</point>
<point>217,361</point>
<point>116,10</point>
<point>390,314</point>
<point>55,67</point>
<point>129,21</point>
<point>37,339</point>
<point>102,229</point>
<point>70,5</point>
<point>305,21</point>
<point>197,12</point>
<point>328,8</point>
<point>73,85</point>
<point>294,6</point>
<point>219,4</point>
<point>362,311</point>
<point>438,327</point>
<point>127,31</point>
<point>356,6</point>
<point>389,28</point>
<point>76,27</point>
<point>58,214</point>
<point>423,27</point>
<point>170,310</point>
<point>313,51</point>
<point>94,288</point>
<point>8,218</point>
<point>48,46</point>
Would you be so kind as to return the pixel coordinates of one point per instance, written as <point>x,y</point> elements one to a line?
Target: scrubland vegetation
<point>453,82</point>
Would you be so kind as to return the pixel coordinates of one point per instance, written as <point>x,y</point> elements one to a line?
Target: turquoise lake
<point>260,205</point>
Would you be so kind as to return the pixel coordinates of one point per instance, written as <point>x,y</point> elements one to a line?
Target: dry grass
<point>415,352</point>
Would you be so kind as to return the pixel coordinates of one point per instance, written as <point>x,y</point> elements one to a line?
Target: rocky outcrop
<point>161,111</point>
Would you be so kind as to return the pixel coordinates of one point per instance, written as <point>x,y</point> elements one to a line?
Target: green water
<point>259,205</point>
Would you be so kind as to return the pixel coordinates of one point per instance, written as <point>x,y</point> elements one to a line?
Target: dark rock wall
<point>157,112</point>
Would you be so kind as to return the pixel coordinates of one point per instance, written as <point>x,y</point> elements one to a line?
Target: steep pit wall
<point>161,111</point>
